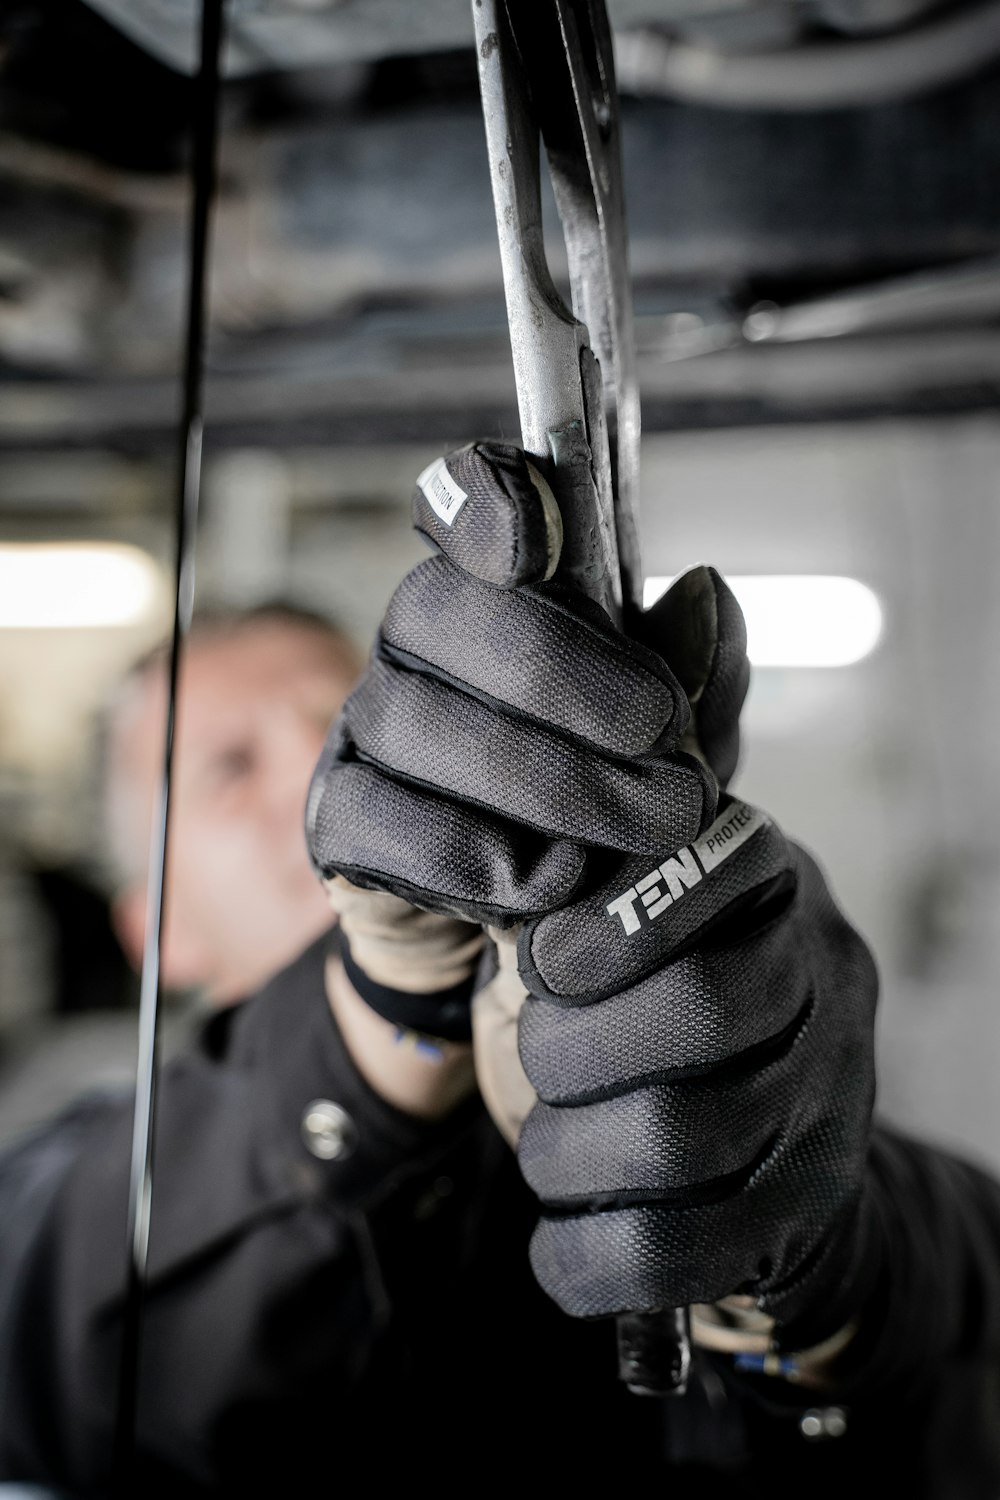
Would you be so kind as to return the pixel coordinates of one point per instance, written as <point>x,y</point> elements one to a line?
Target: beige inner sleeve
<point>400,946</point>
<point>503,1083</point>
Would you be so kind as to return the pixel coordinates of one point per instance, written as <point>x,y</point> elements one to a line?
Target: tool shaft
<point>546,74</point>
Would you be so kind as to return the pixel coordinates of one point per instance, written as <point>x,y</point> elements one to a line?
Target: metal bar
<point>547,340</point>
<point>546,69</point>
<point>205,133</point>
<point>602,296</point>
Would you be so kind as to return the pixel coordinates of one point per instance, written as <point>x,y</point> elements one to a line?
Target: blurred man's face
<point>253,710</point>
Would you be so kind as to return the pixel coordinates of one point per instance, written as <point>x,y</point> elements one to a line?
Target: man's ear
<point>184,962</point>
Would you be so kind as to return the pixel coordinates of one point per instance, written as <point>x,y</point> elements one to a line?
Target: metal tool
<point>205,132</point>
<point>546,74</point>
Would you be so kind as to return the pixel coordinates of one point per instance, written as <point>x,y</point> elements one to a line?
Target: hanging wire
<point>206,95</point>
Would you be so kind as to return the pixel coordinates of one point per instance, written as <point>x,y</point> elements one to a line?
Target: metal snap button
<point>822,1422</point>
<point>328,1130</point>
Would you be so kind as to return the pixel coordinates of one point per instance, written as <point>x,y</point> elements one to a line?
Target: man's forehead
<point>223,673</point>
<point>257,648</point>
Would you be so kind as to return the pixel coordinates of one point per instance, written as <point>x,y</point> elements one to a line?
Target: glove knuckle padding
<point>657,1140</point>
<point>496,736</point>
<point>731,1178</point>
<point>444,856</point>
<point>420,728</point>
<point>527,648</point>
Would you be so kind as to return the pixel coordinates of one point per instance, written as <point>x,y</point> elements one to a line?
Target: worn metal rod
<point>206,96</point>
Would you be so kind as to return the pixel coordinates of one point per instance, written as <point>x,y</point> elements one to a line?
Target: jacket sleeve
<point>299,1304</point>
<point>935,1298</point>
<point>255,1240</point>
<point>919,1385</point>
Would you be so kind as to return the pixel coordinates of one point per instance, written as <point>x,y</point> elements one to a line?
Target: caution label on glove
<point>670,881</point>
<point>444,496</point>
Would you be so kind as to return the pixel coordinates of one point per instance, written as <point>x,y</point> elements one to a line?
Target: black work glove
<point>699,1027</point>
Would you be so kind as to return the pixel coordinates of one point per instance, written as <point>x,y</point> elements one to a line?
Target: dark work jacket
<point>375,1318</point>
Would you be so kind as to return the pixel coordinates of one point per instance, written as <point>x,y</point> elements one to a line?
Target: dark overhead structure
<point>811,190</point>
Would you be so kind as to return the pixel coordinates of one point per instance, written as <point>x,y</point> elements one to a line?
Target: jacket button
<point>328,1131</point>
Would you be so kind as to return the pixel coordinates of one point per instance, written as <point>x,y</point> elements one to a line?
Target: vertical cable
<point>206,94</point>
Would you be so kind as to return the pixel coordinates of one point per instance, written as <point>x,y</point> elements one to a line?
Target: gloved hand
<point>699,1028</point>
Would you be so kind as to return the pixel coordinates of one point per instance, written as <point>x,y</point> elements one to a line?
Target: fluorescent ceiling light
<point>799,619</point>
<point>63,585</point>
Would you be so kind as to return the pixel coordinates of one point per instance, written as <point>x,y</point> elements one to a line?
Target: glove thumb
<point>697,626</point>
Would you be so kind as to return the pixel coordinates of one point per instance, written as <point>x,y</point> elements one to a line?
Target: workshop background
<point>815,225</point>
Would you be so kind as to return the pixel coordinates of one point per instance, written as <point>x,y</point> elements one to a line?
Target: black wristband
<point>446,1014</point>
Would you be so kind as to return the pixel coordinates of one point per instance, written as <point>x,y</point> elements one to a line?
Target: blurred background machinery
<point>815,225</point>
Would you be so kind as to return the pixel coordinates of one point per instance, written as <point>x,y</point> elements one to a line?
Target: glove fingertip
<point>491,513</point>
<point>699,627</point>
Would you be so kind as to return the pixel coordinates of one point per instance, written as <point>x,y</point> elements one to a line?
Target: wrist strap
<point>446,1014</point>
